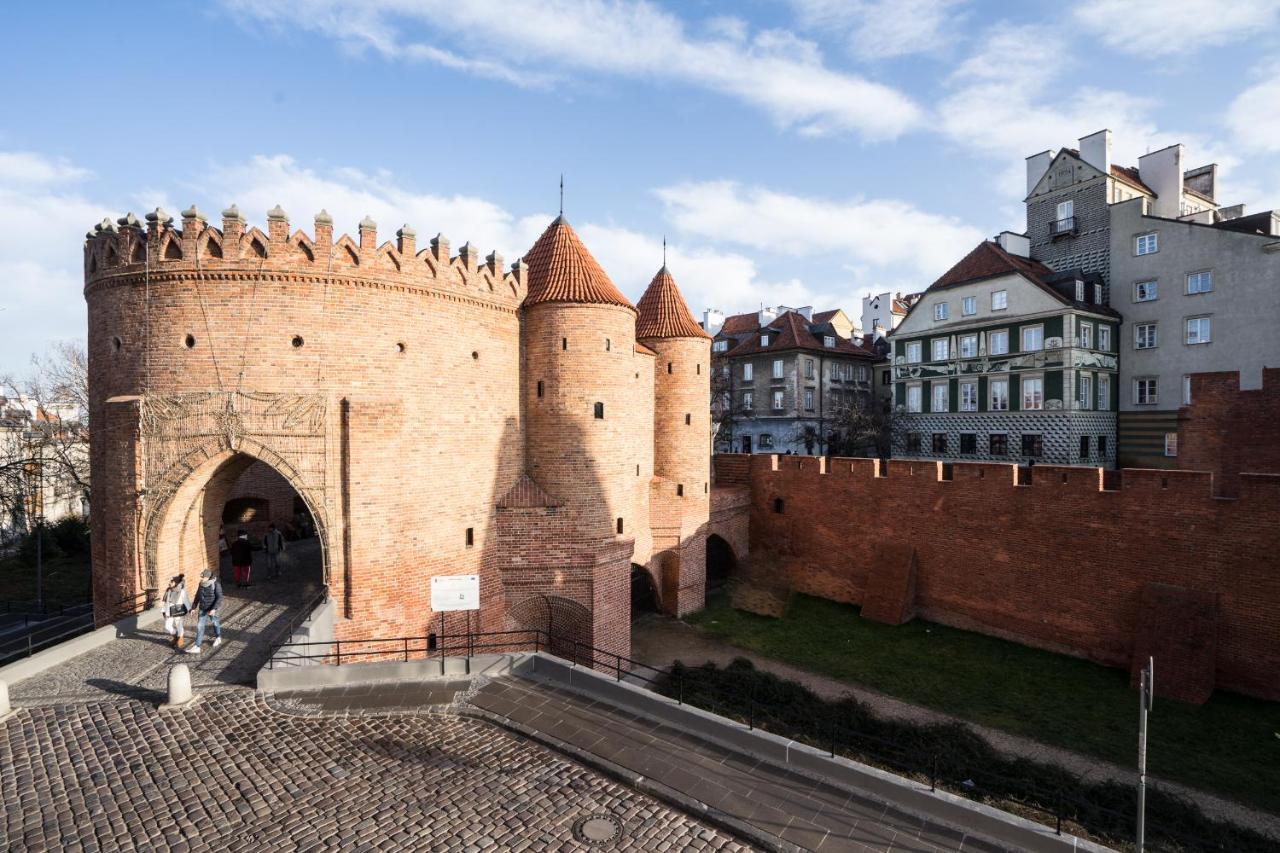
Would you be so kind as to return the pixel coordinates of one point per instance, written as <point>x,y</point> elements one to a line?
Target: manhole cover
<point>597,829</point>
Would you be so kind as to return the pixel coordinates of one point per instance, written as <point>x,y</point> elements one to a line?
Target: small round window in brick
<point>475,356</point>
<point>400,347</point>
<point>297,341</point>
<point>190,341</point>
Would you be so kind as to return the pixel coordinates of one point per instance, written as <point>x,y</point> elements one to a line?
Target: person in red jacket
<point>241,559</point>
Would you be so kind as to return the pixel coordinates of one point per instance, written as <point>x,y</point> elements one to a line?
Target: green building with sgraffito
<point>1003,359</point>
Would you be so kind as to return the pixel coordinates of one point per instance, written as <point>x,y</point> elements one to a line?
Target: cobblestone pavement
<point>231,774</point>
<point>137,665</point>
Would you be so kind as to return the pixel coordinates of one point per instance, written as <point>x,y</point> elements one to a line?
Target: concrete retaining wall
<point>76,646</point>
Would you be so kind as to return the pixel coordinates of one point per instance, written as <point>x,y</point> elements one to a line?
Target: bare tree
<point>44,436</point>
<point>726,413</point>
<point>861,426</point>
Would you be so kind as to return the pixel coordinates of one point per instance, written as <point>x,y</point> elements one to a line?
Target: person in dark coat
<point>207,602</point>
<point>241,558</point>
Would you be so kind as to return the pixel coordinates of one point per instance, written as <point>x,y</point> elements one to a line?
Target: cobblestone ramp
<point>232,775</point>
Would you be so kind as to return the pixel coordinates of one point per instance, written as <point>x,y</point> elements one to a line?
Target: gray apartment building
<point>780,381</point>
<point>1199,294</point>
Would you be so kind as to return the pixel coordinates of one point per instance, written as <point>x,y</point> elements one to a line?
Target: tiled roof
<point>1130,176</point>
<point>662,312</point>
<point>824,316</point>
<point>644,350</point>
<point>986,261</point>
<point>737,324</point>
<point>562,270</point>
<point>793,333</point>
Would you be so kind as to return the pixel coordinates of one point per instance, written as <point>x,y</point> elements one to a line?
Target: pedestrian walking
<point>176,605</point>
<point>242,559</point>
<point>208,600</point>
<point>273,544</point>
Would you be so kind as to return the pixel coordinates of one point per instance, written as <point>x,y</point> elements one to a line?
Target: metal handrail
<point>1063,226</point>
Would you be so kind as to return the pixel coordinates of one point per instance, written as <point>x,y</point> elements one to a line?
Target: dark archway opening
<point>644,595</point>
<point>280,530</point>
<point>721,563</point>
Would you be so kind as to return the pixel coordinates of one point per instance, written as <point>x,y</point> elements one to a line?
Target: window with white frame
<point>999,300</point>
<point>1086,335</point>
<point>863,376</point>
<point>1032,393</point>
<point>724,370</point>
<point>998,342</point>
<point>748,400</point>
<point>939,310</point>
<point>1066,209</point>
<point>999,395</point>
<point>747,371</point>
<point>1198,331</point>
<point>1186,389</point>
<point>1104,338</point>
<point>1146,291</point>
<point>1097,294</point>
<point>1032,338</point>
<point>968,396</point>
<point>764,340</point>
<point>828,341</point>
<point>1146,244</point>
<point>1200,282</point>
<point>1104,392</point>
<point>1079,291</point>
<point>940,349</point>
<point>777,401</point>
<point>913,352</point>
<point>808,368</point>
<point>939,391</point>
<point>1086,391</point>
<point>914,397</point>
<point>968,346</point>
<point>969,306</point>
<point>721,346</point>
<point>1170,444</point>
<point>1145,391</point>
<point>777,368</point>
<point>808,399</point>
<point>1144,336</point>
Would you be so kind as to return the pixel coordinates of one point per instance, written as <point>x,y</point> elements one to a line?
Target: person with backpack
<point>242,559</point>
<point>273,544</point>
<point>208,599</point>
<point>175,605</point>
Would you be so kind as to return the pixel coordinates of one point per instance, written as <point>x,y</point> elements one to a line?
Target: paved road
<point>138,665</point>
<point>232,774</point>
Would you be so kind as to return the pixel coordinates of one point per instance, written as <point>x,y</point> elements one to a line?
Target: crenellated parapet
<point>130,249</point>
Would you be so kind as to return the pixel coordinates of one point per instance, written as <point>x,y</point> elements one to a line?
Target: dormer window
<point>721,346</point>
<point>940,311</point>
<point>1079,291</point>
<point>828,341</point>
<point>764,340</point>
<point>1097,294</point>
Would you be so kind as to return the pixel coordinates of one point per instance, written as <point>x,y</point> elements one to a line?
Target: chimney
<point>767,316</point>
<point>712,321</point>
<point>1202,180</point>
<point>1018,245</point>
<point>1162,171</point>
<point>1095,149</point>
<point>1037,165</point>
<point>806,311</point>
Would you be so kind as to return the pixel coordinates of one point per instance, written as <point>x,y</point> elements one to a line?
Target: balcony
<point>1063,228</point>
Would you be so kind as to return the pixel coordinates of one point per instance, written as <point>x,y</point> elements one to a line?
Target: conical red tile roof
<point>562,270</point>
<point>663,312</point>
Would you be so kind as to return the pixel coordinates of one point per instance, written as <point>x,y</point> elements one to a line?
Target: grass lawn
<point>66,579</point>
<point>1229,745</point>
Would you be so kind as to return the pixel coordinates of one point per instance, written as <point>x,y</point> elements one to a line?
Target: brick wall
<point>1227,431</point>
<point>1059,562</point>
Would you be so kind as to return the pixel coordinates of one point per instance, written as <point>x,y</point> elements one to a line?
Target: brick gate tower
<point>435,413</point>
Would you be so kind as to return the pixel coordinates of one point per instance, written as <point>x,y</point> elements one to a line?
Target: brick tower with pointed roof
<point>680,495</point>
<point>588,399</point>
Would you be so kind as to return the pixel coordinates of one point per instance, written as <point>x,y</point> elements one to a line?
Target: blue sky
<point>791,152</point>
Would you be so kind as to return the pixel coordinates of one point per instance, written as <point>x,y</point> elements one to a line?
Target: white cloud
<point>43,220</point>
<point>1168,27</point>
<point>884,29</point>
<point>775,71</point>
<point>1254,114</point>
<point>878,235</point>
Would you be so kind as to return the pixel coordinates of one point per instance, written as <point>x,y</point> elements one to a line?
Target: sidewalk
<point>659,641</point>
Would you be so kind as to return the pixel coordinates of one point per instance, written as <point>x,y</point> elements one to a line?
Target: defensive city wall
<point>1110,566</point>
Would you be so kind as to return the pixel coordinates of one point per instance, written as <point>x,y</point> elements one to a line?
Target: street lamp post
<point>1145,688</point>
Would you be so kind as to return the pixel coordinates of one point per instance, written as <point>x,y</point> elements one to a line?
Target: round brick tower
<point>583,384</point>
<point>680,498</point>
<point>682,386</point>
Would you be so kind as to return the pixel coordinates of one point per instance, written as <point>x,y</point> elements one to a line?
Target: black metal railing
<point>49,632</point>
<point>303,614</point>
<point>1061,227</point>
<point>745,697</point>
